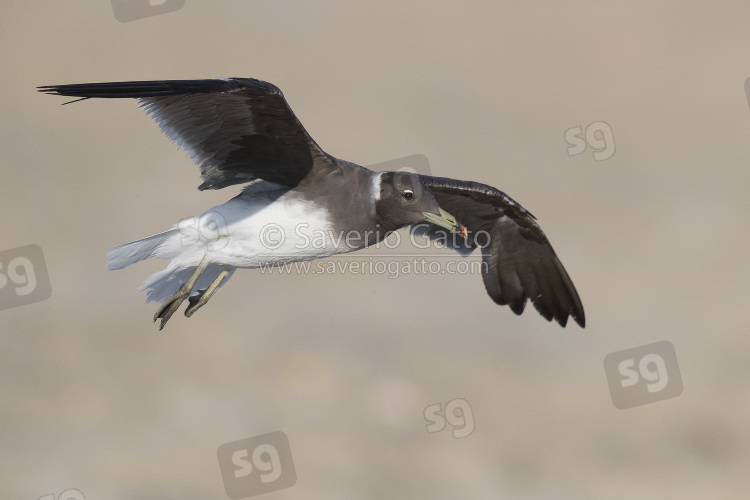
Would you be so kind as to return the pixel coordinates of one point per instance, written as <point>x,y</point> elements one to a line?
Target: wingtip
<point>577,316</point>
<point>562,319</point>
<point>581,320</point>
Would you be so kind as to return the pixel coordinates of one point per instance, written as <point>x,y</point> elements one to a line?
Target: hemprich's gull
<point>241,130</point>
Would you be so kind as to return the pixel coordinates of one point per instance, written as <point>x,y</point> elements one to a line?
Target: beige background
<point>655,239</point>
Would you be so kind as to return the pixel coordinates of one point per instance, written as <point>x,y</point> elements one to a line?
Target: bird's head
<point>402,199</point>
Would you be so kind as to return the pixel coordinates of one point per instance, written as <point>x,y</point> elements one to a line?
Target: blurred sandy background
<point>655,239</point>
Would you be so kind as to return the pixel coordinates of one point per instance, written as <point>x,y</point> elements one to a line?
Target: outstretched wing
<point>519,261</point>
<point>236,129</point>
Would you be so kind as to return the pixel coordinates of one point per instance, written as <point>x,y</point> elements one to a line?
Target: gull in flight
<point>242,131</point>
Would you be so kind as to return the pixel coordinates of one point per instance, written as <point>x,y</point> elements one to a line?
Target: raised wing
<point>520,262</point>
<point>235,129</point>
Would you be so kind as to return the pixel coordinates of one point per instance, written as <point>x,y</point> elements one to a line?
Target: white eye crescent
<point>408,194</point>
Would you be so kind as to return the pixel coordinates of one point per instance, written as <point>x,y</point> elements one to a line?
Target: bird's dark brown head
<point>403,199</point>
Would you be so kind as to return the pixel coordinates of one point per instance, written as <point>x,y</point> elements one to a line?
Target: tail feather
<point>136,251</point>
<point>165,283</point>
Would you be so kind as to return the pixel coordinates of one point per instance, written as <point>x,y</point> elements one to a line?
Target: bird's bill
<point>447,221</point>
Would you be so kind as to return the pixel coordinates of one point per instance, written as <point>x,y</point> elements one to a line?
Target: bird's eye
<point>408,194</point>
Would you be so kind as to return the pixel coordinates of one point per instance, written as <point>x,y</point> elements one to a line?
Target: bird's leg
<point>168,308</point>
<point>200,300</point>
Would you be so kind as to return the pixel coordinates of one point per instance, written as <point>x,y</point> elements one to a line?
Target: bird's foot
<point>200,300</point>
<point>168,308</point>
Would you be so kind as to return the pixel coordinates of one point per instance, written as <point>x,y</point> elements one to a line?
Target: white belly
<point>252,232</point>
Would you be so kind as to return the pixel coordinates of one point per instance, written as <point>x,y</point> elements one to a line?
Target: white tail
<point>154,246</point>
<point>167,245</point>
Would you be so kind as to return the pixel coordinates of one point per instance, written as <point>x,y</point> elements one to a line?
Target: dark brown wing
<point>520,262</point>
<point>236,129</point>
